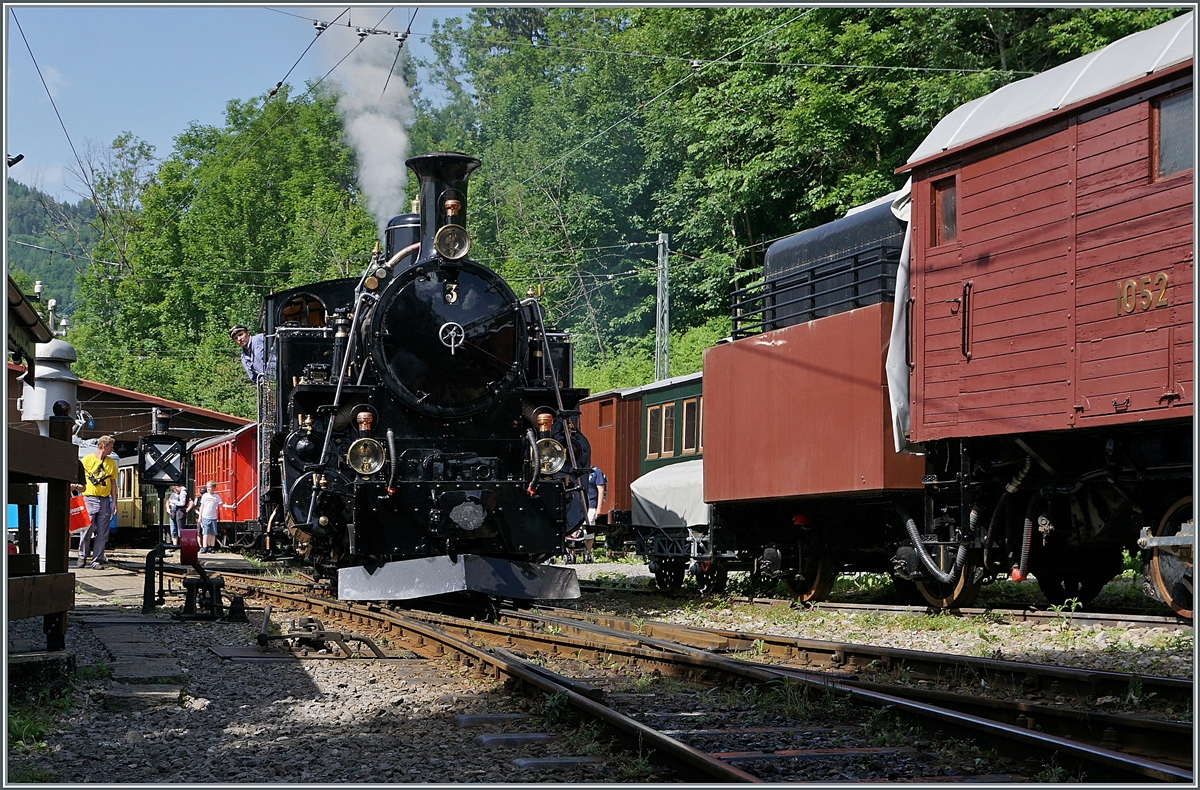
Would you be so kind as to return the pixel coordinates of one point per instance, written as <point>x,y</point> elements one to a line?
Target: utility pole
<point>662,316</point>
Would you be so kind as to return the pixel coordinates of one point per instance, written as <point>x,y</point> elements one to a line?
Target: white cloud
<point>55,81</point>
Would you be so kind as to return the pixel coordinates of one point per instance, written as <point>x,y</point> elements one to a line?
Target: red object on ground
<point>189,547</point>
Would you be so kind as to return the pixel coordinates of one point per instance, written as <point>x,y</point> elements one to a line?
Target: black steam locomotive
<point>418,425</point>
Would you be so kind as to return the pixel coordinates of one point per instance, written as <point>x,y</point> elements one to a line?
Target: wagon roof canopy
<point>1123,61</point>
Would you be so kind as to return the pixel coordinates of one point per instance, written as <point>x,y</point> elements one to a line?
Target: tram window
<point>302,310</point>
<point>668,430</point>
<point>1175,130</point>
<point>691,427</point>
<point>653,431</point>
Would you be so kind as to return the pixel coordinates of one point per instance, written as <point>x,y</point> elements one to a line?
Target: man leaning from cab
<point>253,352</point>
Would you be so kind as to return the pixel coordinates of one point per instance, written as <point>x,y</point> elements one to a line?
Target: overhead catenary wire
<point>320,30</point>
<point>401,38</point>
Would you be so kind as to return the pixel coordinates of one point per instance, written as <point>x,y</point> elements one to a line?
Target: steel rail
<point>1022,615</point>
<point>1171,742</point>
<point>1020,675</point>
<point>1127,765</point>
<point>1124,765</point>
<point>503,662</point>
<point>435,628</point>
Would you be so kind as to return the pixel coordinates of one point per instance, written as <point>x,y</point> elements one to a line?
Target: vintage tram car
<point>1038,356</point>
<point>418,424</point>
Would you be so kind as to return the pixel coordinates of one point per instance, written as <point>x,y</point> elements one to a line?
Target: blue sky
<point>153,70</point>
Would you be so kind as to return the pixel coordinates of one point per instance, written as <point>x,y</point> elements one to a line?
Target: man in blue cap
<point>253,352</point>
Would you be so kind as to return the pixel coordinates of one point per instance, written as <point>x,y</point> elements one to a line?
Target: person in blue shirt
<point>596,485</point>
<point>253,352</point>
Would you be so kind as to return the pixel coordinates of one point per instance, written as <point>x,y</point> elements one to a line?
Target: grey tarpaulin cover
<point>671,496</point>
<point>1122,61</point>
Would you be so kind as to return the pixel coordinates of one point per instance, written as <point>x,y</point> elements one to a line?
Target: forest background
<point>599,128</point>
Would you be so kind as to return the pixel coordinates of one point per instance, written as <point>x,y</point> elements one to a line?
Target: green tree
<point>724,127</point>
<point>263,203</point>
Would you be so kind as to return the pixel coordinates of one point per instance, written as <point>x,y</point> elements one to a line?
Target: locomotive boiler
<point>420,420</point>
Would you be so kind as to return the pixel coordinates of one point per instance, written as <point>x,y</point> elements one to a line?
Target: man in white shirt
<point>210,504</point>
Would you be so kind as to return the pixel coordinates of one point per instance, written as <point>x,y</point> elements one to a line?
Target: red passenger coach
<point>231,461</point>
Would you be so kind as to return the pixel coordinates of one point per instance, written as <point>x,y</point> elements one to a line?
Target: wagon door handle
<point>965,344</point>
<point>908,321</point>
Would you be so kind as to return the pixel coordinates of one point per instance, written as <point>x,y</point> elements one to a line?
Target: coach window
<point>1174,132</point>
<point>653,431</point>
<point>608,410</point>
<point>668,430</point>
<point>945,212</point>
<point>700,425</point>
<point>691,413</point>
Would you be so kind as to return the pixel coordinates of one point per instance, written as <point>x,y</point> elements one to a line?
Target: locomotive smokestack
<point>442,193</point>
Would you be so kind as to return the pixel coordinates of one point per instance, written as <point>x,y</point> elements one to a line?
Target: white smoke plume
<point>374,118</point>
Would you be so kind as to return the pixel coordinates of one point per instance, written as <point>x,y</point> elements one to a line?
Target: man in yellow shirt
<point>100,497</point>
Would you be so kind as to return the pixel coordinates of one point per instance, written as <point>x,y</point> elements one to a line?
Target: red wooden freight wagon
<point>1051,349</point>
<point>1052,250</point>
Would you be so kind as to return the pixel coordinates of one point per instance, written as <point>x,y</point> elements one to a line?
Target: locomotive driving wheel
<point>819,575</point>
<point>1171,573</point>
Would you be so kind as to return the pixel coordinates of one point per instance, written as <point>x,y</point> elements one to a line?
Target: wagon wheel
<point>1172,575</point>
<point>669,575</point>
<point>713,581</point>
<point>951,596</point>
<point>906,591</point>
<point>1080,574</point>
<point>819,575</point>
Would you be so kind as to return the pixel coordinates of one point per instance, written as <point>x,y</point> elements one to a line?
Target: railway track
<point>939,691</point>
<point>505,648</point>
<point>1023,615</point>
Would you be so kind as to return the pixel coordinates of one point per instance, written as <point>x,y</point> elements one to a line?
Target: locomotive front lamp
<point>365,456</point>
<point>552,454</point>
<point>452,242</point>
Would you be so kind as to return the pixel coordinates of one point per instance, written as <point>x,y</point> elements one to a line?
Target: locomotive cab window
<point>653,431</point>
<point>945,212</point>
<point>1174,132</point>
<point>691,426</point>
<point>302,310</point>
